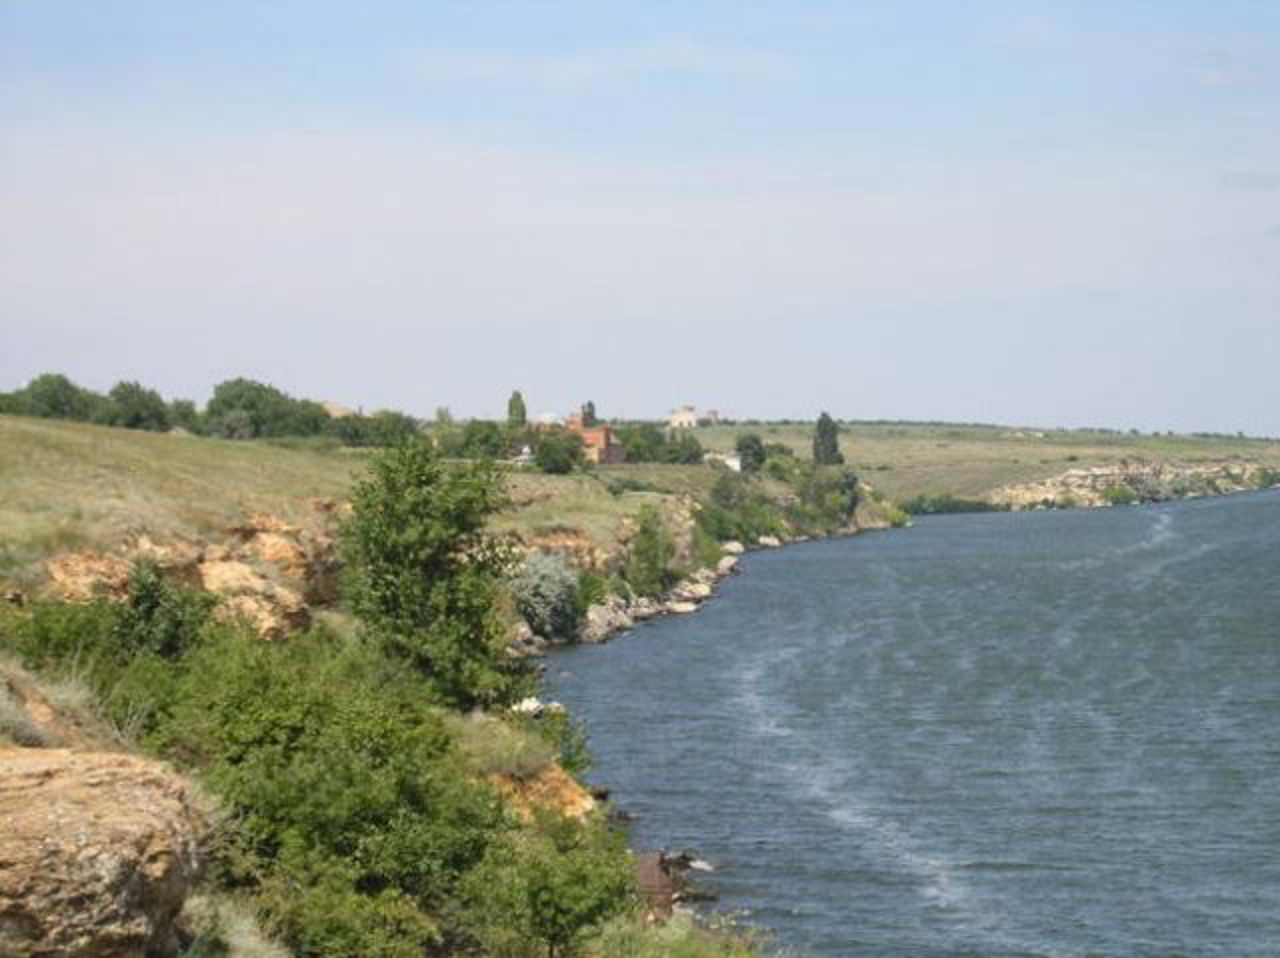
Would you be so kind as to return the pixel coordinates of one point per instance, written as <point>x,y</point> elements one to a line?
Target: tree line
<point>239,409</point>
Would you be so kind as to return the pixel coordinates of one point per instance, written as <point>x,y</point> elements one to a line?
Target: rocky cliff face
<point>1147,481</point>
<point>97,854</point>
<point>267,571</point>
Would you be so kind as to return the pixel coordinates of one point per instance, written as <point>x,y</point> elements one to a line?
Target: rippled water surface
<point>1026,734</point>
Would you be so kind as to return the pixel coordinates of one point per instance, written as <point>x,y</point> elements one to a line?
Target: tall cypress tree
<point>516,415</point>
<point>826,442</point>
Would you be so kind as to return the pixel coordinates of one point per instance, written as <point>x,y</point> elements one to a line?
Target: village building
<point>686,417</point>
<point>731,461</point>
<point>600,444</point>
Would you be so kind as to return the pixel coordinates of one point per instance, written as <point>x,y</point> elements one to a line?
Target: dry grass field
<point>68,486</point>
<point>907,459</point>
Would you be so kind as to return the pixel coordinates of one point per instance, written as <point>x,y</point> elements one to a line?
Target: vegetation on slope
<point>354,821</point>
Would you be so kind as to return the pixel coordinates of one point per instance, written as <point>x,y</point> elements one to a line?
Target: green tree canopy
<point>268,412</point>
<point>826,442</point>
<point>517,415</point>
<point>423,577</point>
<point>482,439</point>
<point>54,396</point>
<point>558,451</point>
<point>646,442</point>
<point>751,451</point>
<point>136,407</point>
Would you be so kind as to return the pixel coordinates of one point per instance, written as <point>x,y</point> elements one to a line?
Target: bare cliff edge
<point>1135,480</point>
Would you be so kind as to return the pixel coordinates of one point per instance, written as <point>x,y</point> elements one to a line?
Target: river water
<point>1045,733</point>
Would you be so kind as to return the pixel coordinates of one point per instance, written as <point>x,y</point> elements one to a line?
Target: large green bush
<point>545,590</point>
<point>537,892</point>
<point>423,576</point>
<point>737,509</point>
<point>352,815</point>
<point>557,452</point>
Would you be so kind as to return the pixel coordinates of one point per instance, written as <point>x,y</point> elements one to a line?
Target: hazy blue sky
<point>1054,213</point>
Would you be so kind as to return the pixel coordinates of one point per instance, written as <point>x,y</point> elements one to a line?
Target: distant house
<point>732,461</point>
<point>337,410</point>
<point>600,444</point>
<point>686,417</point>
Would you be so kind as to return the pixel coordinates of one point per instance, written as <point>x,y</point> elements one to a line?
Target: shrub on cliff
<point>537,892</point>
<point>1119,495</point>
<point>423,577</point>
<point>648,568</point>
<point>545,590</point>
<point>738,509</point>
<point>349,814</point>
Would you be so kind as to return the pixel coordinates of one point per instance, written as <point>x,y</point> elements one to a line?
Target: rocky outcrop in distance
<point>1133,480</point>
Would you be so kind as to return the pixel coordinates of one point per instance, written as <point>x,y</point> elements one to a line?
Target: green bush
<point>927,504</point>
<point>160,618</point>
<point>557,452</point>
<point>1119,495</point>
<point>594,588</point>
<point>540,891</point>
<point>751,452</point>
<point>545,590</point>
<point>350,813</point>
<point>648,568</point>
<point>423,578</point>
<point>825,500</point>
<point>737,509</point>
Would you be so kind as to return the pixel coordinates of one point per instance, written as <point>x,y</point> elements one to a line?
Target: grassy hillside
<point>67,486</point>
<point>906,459</point>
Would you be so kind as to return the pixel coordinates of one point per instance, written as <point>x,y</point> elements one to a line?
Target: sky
<point>1058,214</point>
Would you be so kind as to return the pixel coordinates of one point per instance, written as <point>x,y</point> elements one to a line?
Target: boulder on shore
<point>691,591</point>
<point>605,620</point>
<point>733,548</point>
<point>97,854</point>
<point>769,542</point>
